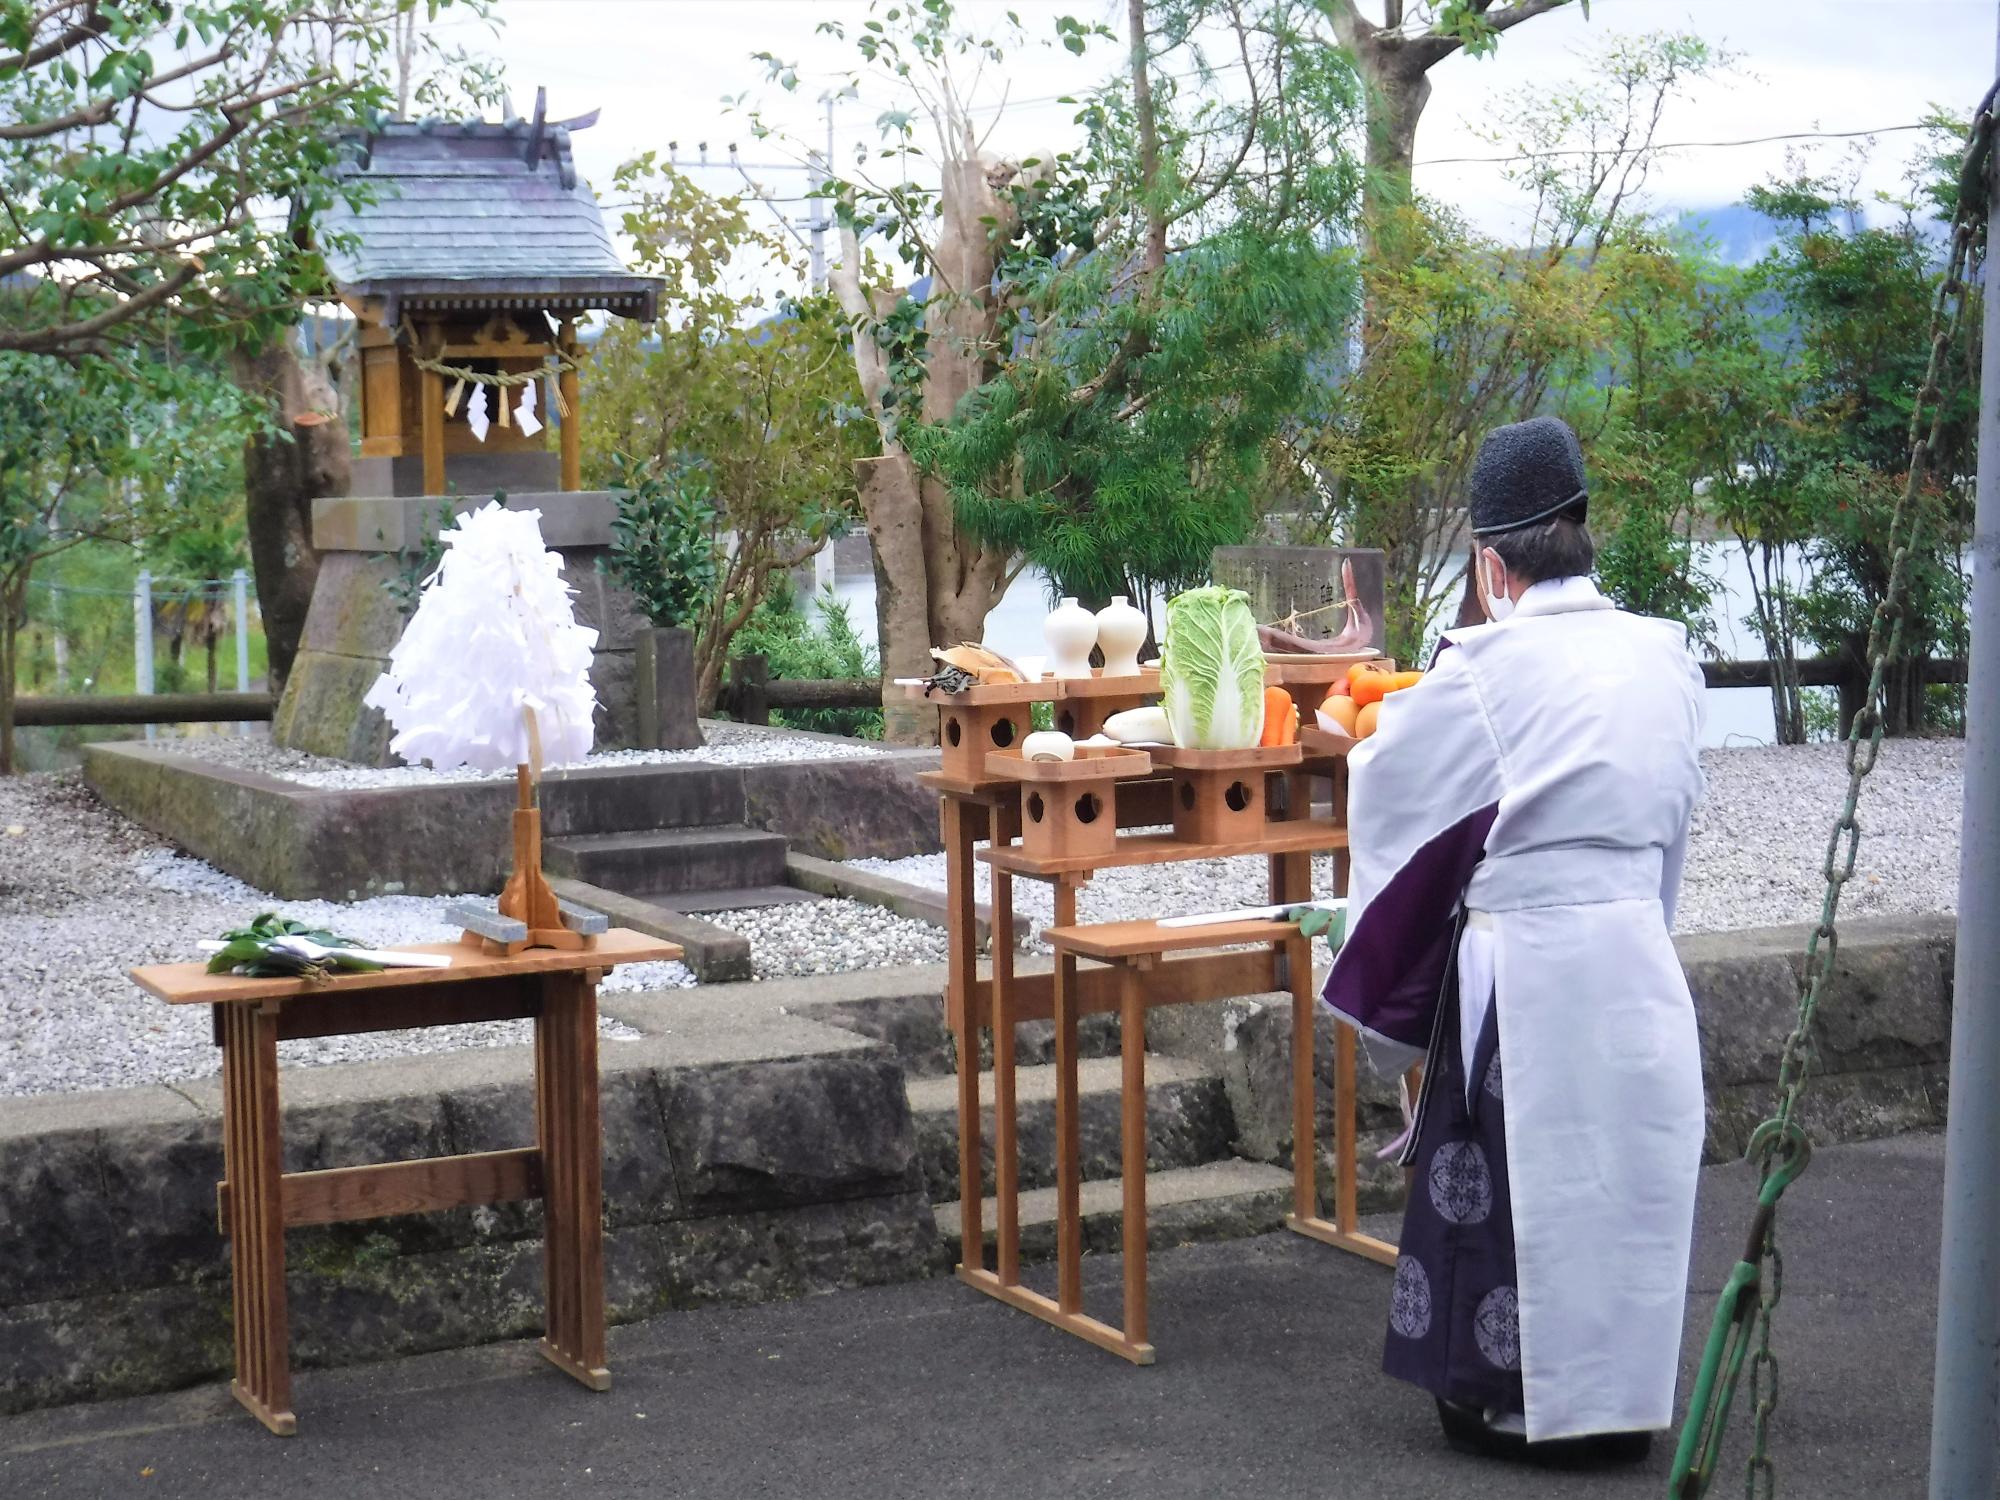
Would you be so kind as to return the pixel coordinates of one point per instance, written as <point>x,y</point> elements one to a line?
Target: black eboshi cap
<point>1527,472</point>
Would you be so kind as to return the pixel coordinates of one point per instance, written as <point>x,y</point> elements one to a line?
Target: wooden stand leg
<point>1006,1114</point>
<point>1132,1148</point>
<point>1069,1141</point>
<point>961,968</point>
<point>1343,1231</point>
<point>1346,1187</point>
<point>1305,1133</point>
<point>572,1147</point>
<point>253,1161</point>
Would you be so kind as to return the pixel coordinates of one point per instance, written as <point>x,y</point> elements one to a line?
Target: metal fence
<point>81,635</point>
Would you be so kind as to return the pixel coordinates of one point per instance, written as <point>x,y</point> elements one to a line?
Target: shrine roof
<point>476,214</point>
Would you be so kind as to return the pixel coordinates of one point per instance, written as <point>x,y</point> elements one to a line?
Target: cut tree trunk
<point>283,473</point>
<point>9,641</point>
<point>894,512</point>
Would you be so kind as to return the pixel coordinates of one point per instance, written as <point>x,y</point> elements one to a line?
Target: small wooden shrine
<point>472,254</point>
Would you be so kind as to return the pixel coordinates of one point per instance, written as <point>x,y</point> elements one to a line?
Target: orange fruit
<point>1343,711</point>
<point>1364,721</point>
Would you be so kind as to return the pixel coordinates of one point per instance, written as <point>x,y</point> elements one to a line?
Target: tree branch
<point>99,113</point>
<point>93,25</point>
<point>1521,10</point>
<point>65,335</point>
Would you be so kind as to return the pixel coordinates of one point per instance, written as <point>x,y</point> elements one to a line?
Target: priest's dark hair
<point>1559,547</point>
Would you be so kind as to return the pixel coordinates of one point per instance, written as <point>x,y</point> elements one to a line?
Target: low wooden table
<point>258,1200</point>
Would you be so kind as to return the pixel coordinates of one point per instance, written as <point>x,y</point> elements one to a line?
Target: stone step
<point>753,898</point>
<point>1187,1120</point>
<point>1218,1200</point>
<point>616,799</point>
<point>664,862</point>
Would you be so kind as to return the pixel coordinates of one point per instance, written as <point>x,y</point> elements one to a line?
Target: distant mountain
<point>1737,232</point>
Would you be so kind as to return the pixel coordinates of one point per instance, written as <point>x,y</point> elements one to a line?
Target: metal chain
<point>1780,1146</point>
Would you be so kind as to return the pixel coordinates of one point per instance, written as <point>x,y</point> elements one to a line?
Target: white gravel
<point>831,937</point>
<point>1755,858</point>
<point>86,895</point>
<point>728,745</point>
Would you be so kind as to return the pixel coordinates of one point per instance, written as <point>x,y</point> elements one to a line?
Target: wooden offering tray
<point>1325,744</point>
<point>1218,795</point>
<point>1086,702</point>
<point>1092,763</point>
<point>1069,808</point>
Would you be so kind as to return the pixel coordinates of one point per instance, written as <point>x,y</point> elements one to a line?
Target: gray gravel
<point>728,745</point>
<point>86,895</point>
<point>831,937</point>
<point>1755,856</point>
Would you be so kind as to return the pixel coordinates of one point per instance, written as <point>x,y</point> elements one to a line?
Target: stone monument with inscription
<point>1311,582</point>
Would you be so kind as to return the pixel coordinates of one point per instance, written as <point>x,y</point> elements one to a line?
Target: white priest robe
<point>1518,825</point>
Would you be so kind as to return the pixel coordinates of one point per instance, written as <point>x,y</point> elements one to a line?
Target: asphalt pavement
<point>1268,1385</point>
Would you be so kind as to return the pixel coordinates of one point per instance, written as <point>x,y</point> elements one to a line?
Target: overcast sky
<point>659,71</point>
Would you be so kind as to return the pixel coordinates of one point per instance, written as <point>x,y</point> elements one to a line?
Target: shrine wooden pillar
<point>430,401</point>
<point>571,414</point>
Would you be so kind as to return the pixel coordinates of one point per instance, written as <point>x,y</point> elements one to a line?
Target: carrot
<point>1281,719</point>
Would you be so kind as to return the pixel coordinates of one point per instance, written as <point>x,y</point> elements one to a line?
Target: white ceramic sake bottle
<point>1070,630</point>
<point>1121,631</point>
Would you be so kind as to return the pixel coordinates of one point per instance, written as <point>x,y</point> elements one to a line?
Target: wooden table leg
<point>1343,1229</point>
<point>1132,1147</point>
<point>1346,1172</point>
<point>1069,1140</point>
<point>571,1139</point>
<point>253,1162</point>
<point>1006,1112</point>
<point>1305,1132</point>
<point>962,967</point>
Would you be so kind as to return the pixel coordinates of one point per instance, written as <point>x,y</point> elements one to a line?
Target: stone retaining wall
<point>451,838</point>
<point>1884,1034</point>
<point>753,1156</point>
<point>756,1146</point>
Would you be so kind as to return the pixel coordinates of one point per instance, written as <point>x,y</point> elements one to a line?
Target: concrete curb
<point>715,954</point>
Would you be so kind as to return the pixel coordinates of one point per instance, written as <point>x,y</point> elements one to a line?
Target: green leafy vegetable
<point>1316,921</point>
<point>1212,670</point>
<point>252,951</point>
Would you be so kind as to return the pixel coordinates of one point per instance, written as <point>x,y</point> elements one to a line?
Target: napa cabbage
<point>1212,670</point>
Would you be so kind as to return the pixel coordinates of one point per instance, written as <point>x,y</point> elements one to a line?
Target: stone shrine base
<point>372,563</point>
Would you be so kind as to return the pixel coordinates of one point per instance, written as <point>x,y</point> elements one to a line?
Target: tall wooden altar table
<point>258,1200</point>
<point>1061,826</point>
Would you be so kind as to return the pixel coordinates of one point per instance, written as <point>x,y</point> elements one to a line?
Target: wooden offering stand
<point>529,914</point>
<point>258,1200</point>
<point>988,793</point>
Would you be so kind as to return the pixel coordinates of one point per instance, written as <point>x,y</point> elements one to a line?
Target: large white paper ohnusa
<point>494,645</point>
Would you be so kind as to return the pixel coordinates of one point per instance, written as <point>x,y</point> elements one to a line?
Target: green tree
<point>1856,304</point>
<point>93,451</point>
<point>760,400</point>
<point>1469,332</point>
<point>141,140</point>
<point>1168,299</point>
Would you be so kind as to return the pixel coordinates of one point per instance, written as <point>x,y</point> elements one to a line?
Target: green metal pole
<point>1965,1411</point>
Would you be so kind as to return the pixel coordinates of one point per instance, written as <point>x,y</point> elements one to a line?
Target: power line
<point>1755,140</point>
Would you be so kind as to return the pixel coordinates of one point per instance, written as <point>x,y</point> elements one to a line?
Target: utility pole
<point>1965,1400</point>
<point>822,214</point>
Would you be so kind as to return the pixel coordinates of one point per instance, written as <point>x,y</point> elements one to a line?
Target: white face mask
<point>1494,575</point>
